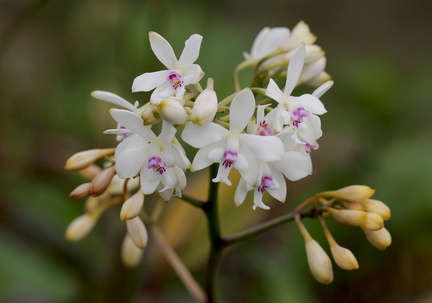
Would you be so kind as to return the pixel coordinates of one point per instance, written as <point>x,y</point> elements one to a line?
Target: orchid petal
<point>242,109</point>
<point>241,192</point>
<point>279,192</point>
<point>202,159</point>
<point>149,180</point>
<point>295,68</point>
<point>113,98</point>
<point>163,50</point>
<point>132,122</point>
<point>167,133</point>
<point>321,90</point>
<point>311,103</point>
<point>130,161</point>
<point>274,92</point>
<point>179,156</point>
<point>200,136</point>
<point>191,50</point>
<point>192,74</point>
<point>294,165</point>
<point>148,81</point>
<point>266,148</point>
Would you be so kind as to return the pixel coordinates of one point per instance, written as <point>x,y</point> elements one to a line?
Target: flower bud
<point>85,158</point>
<point>132,206</point>
<point>381,238</point>
<point>352,193</point>
<point>373,222</point>
<point>147,112</point>
<point>80,227</point>
<point>101,182</point>
<point>318,80</point>
<point>81,192</point>
<point>299,34</point>
<point>350,217</point>
<point>137,231</point>
<point>377,207</point>
<point>343,257</point>
<point>172,111</point>
<point>319,262</point>
<point>312,70</point>
<point>205,106</point>
<point>130,253</point>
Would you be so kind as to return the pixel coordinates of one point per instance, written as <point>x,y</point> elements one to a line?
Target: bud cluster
<point>351,206</point>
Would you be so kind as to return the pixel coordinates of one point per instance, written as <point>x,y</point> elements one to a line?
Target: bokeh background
<point>377,132</point>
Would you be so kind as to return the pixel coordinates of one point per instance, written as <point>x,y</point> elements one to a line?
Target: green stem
<point>193,200</point>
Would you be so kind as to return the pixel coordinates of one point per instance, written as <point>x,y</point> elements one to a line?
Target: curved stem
<point>192,200</point>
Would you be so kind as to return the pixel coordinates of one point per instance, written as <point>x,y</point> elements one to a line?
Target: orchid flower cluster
<point>265,132</point>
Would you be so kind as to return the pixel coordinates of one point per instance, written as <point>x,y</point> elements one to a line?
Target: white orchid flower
<point>179,73</point>
<point>266,42</point>
<point>155,158</point>
<point>232,148</point>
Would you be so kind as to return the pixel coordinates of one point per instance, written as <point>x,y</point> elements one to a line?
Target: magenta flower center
<point>125,135</point>
<point>266,182</point>
<point>298,115</point>
<point>156,164</point>
<point>175,79</point>
<point>229,158</point>
<point>310,147</point>
<point>264,129</point>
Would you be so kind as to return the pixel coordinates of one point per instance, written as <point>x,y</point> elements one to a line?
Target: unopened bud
<point>137,231</point>
<point>350,217</point>
<point>299,34</point>
<point>377,207</point>
<point>81,192</point>
<point>319,262</point>
<point>205,106</point>
<point>132,206</point>
<point>101,182</point>
<point>130,253</point>
<point>353,193</point>
<point>381,238</point>
<point>148,114</point>
<point>90,171</point>
<point>172,111</point>
<point>318,80</point>
<point>85,158</point>
<point>312,70</point>
<point>373,221</point>
<point>80,227</point>
<point>343,257</point>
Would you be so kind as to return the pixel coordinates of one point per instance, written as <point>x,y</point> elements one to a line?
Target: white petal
<point>322,89</point>
<point>252,171</point>
<point>113,98</point>
<point>199,136</point>
<point>192,74</point>
<point>179,156</point>
<point>279,192</point>
<point>191,50</point>
<point>268,40</point>
<point>241,110</point>
<point>222,175</point>
<point>167,133</point>
<point>258,200</point>
<point>148,81</point>
<point>311,104</point>
<point>132,122</point>
<point>266,148</point>
<point>274,92</point>
<point>130,161</point>
<point>202,159</point>
<point>294,165</point>
<point>149,180</point>
<point>163,50</point>
<point>295,68</point>
<point>241,192</point>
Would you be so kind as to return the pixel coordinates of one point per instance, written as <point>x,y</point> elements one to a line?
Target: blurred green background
<point>377,132</point>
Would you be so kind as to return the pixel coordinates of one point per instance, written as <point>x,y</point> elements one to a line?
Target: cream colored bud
<point>85,158</point>
<point>147,112</point>
<point>205,105</point>
<point>101,182</point>
<point>373,221</point>
<point>318,80</point>
<point>377,207</point>
<point>80,227</point>
<point>352,193</point>
<point>130,253</point>
<point>172,111</point>
<point>319,262</point>
<point>350,217</point>
<point>81,192</point>
<point>381,238</point>
<point>313,53</point>
<point>132,206</point>
<point>137,231</point>
<point>299,34</point>
<point>91,171</point>
<point>312,70</point>
<point>343,257</point>
<point>353,205</point>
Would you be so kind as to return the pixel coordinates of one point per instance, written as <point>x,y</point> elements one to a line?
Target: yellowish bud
<point>132,206</point>
<point>137,231</point>
<point>350,217</point>
<point>90,171</point>
<point>205,106</point>
<point>381,238</point>
<point>352,193</point>
<point>101,182</point>
<point>81,192</point>
<point>172,111</point>
<point>318,80</point>
<point>312,70</point>
<point>85,158</point>
<point>80,227</point>
<point>319,262</point>
<point>130,253</point>
<point>343,257</point>
<point>373,221</point>
<point>377,207</point>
